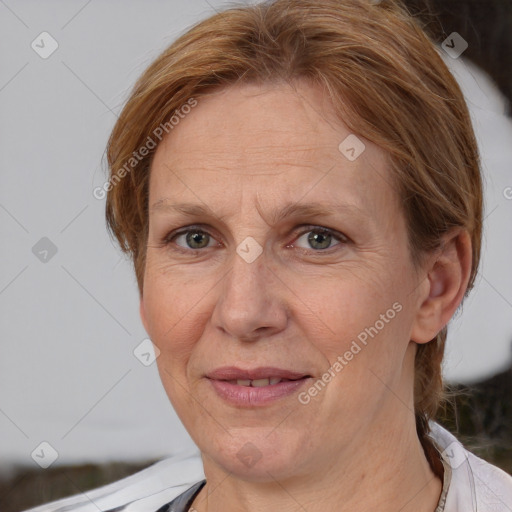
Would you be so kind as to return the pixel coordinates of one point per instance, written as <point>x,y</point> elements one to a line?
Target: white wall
<point>68,375</point>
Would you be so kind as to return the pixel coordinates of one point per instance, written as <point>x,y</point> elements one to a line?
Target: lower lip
<point>248,396</point>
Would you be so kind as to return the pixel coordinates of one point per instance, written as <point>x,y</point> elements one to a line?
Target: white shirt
<point>470,484</point>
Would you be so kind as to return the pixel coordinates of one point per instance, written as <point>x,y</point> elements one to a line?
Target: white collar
<point>470,484</point>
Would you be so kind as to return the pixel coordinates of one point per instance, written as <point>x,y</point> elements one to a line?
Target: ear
<point>448,272</point>
<point>143,314</point>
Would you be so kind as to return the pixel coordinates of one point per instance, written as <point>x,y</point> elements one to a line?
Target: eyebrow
<point>288,210</point>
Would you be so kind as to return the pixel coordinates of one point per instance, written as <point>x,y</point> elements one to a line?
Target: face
<point>278,286</point>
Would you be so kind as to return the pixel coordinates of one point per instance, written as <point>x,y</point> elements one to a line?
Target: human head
<point>387,83</point>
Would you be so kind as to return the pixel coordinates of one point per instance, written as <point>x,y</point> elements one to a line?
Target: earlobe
<point>448,275</point>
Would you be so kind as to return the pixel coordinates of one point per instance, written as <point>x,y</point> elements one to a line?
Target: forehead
<point>270,141</point>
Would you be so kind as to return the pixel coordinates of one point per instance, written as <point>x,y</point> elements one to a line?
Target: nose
<point>251,301</point>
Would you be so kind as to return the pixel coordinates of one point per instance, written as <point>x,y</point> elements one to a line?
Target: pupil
<point>194,239</point>
<point>319,238</point>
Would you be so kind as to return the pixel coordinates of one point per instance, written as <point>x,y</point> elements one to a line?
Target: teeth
<point>259,383</point>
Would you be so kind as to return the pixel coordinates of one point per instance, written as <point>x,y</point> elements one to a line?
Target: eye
<point>192,239</point>
<point>195,238</point>
<point>319,239</point>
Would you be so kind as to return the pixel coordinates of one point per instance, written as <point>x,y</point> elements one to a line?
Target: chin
<point>256,455</point>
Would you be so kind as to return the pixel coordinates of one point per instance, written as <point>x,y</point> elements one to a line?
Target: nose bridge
<point>248,270</point>
<point>248,305</point>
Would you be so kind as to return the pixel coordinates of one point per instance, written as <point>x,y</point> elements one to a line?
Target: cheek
<point>175,311</point>
<point>365,308</point>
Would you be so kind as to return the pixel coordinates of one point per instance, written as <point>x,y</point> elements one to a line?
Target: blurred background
<point>74,369</point>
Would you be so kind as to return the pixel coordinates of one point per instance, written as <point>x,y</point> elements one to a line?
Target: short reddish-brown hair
<point>387,83</point>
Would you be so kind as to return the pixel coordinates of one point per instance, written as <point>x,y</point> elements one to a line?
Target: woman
<point>298,185</point>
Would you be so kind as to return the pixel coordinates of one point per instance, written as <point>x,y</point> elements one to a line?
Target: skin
<point>244,152</point>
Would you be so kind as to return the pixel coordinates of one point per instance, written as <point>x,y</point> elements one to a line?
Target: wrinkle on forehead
<point>241,145</point>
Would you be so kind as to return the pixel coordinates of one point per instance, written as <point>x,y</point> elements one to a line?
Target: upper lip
<point>262,372</point>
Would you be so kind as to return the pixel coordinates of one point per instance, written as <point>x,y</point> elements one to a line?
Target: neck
<point>383,470</point>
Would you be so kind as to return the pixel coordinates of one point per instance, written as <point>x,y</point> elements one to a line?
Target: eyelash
<point>340,237</point>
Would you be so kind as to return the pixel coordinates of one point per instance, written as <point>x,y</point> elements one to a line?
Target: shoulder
<point>148,489</point>
<point>475,485</point>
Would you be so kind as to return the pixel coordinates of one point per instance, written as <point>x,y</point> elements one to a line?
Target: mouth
<point>255,387</point>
